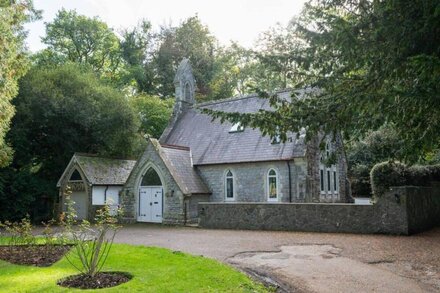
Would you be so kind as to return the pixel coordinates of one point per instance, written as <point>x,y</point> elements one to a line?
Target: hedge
<point>387,174</point>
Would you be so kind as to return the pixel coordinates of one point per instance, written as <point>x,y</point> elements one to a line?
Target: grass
<point>153,269</point>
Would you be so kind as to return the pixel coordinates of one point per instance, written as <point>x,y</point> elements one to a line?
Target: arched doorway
<point>78,195</point>
<point>150,198</point>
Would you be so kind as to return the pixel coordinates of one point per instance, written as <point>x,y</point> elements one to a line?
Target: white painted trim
<point>268,186</point>
<point>225,177</point>
<point>73,161</point>
<point>138,181</point>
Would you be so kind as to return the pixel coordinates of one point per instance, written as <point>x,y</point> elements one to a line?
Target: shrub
<point>387,174</point>
<point>20,233</point>
<point>360,180</point>
<point>92,243</point>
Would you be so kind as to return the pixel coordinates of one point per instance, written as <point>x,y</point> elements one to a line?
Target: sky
<point>229,20</point>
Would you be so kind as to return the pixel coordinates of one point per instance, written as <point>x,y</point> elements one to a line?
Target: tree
<point>376,147</point>
<point>13,62</point>
<point>280,51</point>
<point>84,40</point>
<point>137,49</point>
<point>234,69</point>
<point>61,111</point>
<point>153,112</point>
<point>189,40</point>
<point>368,63</point>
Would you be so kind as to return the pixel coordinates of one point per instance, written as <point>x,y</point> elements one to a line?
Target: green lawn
<point>153,269</point>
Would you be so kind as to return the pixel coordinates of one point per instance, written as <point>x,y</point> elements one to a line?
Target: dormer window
<point>276,139</point>
<point>237,127</point>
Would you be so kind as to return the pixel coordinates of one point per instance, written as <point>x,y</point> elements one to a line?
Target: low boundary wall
<point>402,210</point>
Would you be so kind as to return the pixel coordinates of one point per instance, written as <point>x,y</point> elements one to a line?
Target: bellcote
<point>185,83</point>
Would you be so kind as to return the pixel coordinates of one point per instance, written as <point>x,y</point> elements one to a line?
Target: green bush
<point>360,180</point>
<point>387,174</point>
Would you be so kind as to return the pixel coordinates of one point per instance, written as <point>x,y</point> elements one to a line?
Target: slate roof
<point>212,143</point>
<point>178,162</point>
<point>102,171</point>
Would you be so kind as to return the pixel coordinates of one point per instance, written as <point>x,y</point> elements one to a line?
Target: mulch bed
<point>36,255</point>
<point>101,280</point>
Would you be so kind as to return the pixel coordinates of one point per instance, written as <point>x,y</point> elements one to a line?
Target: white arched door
<point>150,204</point>
<point>150,198</point>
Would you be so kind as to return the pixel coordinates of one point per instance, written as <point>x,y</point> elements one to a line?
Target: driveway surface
<point>310,262</point>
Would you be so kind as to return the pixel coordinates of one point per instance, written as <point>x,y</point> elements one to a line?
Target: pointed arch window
<point>75,176</point>
<point>328,175</point>
<point>272,185</point>
<point>229,186</point>
<point>187,92</point>
<point>151,178</point>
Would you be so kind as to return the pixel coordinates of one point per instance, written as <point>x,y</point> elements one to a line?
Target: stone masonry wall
<point>423,206</point>
<point>403,210</point>
<point>313,153</point>
<point>173,209</point>
<point>250,180</point>
<point>91,211</point>
<point>192,212</point>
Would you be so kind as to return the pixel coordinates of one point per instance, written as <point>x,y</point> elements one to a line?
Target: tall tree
<point>153,112</point>
<point>84,40</point>
<point>233,72</point>
<point>62,110</point>
<point>68,109</point>
<point>13,62</point>
<point>280,51</point>
<point>191,40</point>
<point>369,62</point>
<point>137,49</point>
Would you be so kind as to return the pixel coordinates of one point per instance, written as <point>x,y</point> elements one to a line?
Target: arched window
<point>151,178</point>
<point>187,92</point>
<point>328,175</point>
<point>75,176</point>
<point>229,185</point>
<point>272,185</point>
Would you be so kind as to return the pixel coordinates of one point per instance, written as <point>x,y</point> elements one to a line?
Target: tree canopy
<point>153,112</point>
<point>13,62</point>
<point>191,40</point>
<point>367,63</point>
<point>60,111</point>
<point>68,109</point>
<point>84,40</point>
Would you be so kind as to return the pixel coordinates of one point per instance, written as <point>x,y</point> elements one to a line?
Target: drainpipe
<point>105,195</point>
<point>185,210</point>
<point>290,181</point>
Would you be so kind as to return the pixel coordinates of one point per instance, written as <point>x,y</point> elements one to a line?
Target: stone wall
<point>423,206</point>
<point>250,180</point>
<point>191,206</point>
<point>173,209</point>
<point>403,210</point>
<point>313,154</point>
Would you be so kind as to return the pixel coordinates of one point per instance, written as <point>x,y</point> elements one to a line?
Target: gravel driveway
<point>310,262</point>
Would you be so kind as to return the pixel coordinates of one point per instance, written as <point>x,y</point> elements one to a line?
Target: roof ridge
<point>78,154</point>
<point>237,98</point>
<point>177,147</point>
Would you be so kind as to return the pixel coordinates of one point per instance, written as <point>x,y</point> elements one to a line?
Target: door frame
<point>139,203</point>
<point>137,185</point>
